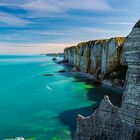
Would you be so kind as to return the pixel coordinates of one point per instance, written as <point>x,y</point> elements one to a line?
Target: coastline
<point>71,93</point>
<point>90,78</point>
<point>110,122</point>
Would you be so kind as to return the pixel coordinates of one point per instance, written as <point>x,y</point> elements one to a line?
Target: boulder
<point>54,59</point>
<point>74,70</point>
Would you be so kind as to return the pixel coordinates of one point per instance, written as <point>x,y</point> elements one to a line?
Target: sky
<point>47,26</point>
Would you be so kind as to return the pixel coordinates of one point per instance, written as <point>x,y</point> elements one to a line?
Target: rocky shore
<point>115,61</point>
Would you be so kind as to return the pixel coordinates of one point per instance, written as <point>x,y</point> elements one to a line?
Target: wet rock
<point>48,75</point>
<point>54,59</point>
<point>63,61</point>
<point>74,70</point>
<point>61,71</point>
<point>118,83</point>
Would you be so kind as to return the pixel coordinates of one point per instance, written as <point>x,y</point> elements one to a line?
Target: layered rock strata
<point>109,122</point>
<point>100,58</point>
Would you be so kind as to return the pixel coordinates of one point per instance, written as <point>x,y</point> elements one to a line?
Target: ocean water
<point>39,107</point>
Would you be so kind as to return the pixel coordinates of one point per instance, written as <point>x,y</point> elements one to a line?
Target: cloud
<point>57,5</point>
<point>72,31</point>
<point>69,35</point>
<point>89,4</point>
<point>17,48</point>
<point>40,6</point>
<point>12,20</point>
<point>44,8</point>
<point>121,23</point>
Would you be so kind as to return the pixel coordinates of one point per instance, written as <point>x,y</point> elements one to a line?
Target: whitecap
<point>49,88</point>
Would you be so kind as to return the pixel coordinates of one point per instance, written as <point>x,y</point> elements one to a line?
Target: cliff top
<point>137,24</point>
<point>92,42</point>
<point>119,41</point>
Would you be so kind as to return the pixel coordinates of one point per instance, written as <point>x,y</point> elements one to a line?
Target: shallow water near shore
<point>39,107</point>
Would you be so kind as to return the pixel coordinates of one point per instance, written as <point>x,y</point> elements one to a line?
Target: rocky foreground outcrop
<point>99,58</point>
<point>109,122</point>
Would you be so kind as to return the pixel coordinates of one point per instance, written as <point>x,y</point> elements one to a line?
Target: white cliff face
<point>104,60</point>
<point>112,56</point>
<point>112,123</point>
<point>111,52</point>
<point>98,57</point>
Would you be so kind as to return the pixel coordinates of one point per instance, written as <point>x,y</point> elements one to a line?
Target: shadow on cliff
<point>94,93</point>
<point>69,117</point>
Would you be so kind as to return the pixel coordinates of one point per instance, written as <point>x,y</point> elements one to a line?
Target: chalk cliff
<point>101,58</point>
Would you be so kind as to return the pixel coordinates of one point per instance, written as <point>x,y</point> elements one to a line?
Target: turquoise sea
<point>39,107</point>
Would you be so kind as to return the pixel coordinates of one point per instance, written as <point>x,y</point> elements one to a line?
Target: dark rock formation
<point>61,71</point>
<point>54,59</point>
<point>48,75</point>
<point>109,122</point>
